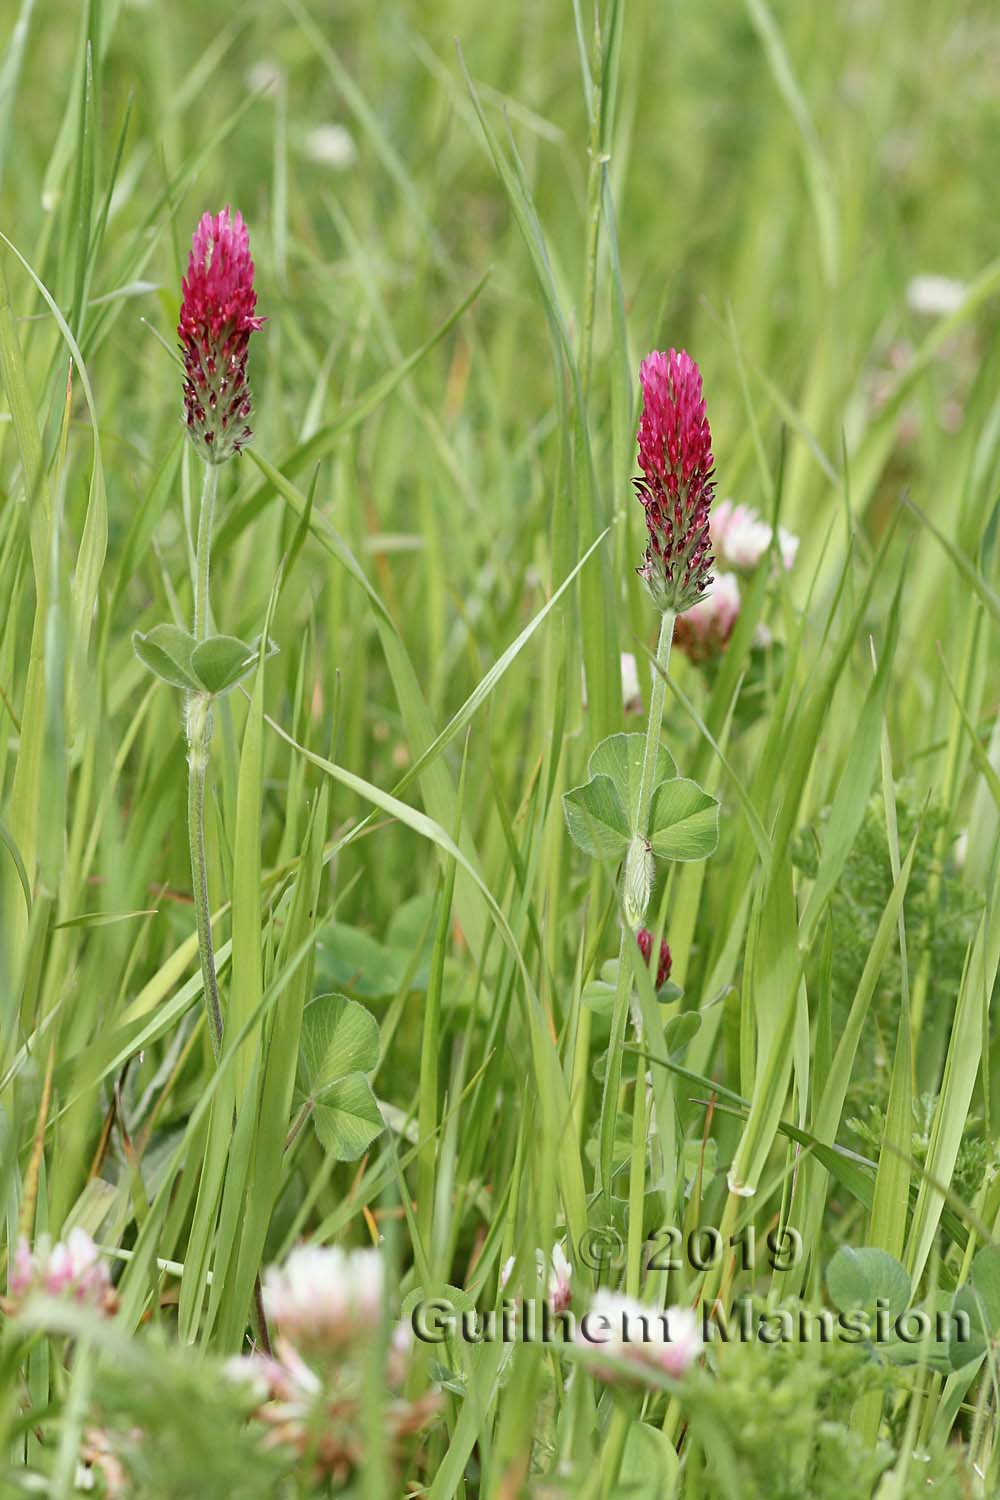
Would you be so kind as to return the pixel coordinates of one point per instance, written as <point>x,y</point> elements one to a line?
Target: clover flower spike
<point>216,321</point>
<point>676,490</point>
<point>664,963</point>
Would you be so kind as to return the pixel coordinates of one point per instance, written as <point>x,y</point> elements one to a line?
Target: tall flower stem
<point>203,550</point>
<point>198,722</point>
<point>198,725</point>
<point>623,990</point>
<point>654,724</point>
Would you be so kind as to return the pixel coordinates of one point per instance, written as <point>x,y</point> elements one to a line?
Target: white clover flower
<point>788,546</point>
<point>331,146</point>
<point>98,1457</point>
<point>559,1288</point>
<point>282,1376</point>
<point>560,1280</point>
<point>264,77</point>
<point>934,296</point>
<point>252,1371</point>
<point>704,629</point>
<point>399,1354</point>
<point>740,537</point>
<point>72,1268</point>
<point>631,692</point>
<point>649,1338</point>
<point>324,1295</point>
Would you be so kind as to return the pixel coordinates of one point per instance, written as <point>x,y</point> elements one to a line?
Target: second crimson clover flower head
<point>676,490</point>
<point>664,960</point>
<point>216,321</point>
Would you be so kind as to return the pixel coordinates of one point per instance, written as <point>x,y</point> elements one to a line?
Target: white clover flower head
<point>251,1372</point>
<point>72,1268</point>
<point>264,77</point>
<point>643,1337</point>
<point>934,296</point>
<point>631,691</point>
<point>22,1270</point>
<point>788,546</point>
<point>399,1352</point>
<point>78,1261</point>
<point>324,1296</point>
<point>713,618</point>
<point>560,1280</point>
<point>961,850</point>
<point>740,537</point>
<point>558,1277</point>
<point>99,1457</point>
<point>331,146</point>
<point>280,1379</point>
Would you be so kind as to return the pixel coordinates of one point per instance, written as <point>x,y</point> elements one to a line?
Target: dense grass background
<point>446,392</point>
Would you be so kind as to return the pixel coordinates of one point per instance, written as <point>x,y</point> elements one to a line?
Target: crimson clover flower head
<point>676,488</point>
<point>664,962</point>
<point>217,319</point>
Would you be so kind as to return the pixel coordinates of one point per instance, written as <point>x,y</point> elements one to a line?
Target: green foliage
<point>939,913</point>
<point>339,1047</point>
<point>211,666</point>
<point>860,1279</point>
<point>760,1391</point>
<point>603,814</point>
<point>978,1154</point>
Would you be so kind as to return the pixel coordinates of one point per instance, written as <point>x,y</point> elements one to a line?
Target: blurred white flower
<point>788,546</point>
<point>702,631</point>
<point>71,1268</point>
<point>646,1337</point>
<point>560,1280</point>
<point>98,1457</point>
<point>399,1353</point>
<point>740,537</point>
<point>331,146</point>
<point>283,1376</point>
<point>560,1277</point>
<point>324,1295</point>
<point>264,77</point>
<point>631,692</point>
<point>935,296</point>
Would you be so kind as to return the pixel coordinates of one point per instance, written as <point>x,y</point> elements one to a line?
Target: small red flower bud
<point>676,490</point>
<point>645,940</point>
<point>217,319</point>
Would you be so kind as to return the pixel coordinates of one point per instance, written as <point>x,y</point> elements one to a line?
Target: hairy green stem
<point>623,990</point>
<point>203,553</point>
<point>657,698</point>
<point>198,726</point>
